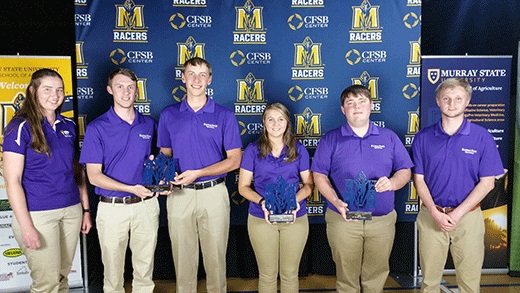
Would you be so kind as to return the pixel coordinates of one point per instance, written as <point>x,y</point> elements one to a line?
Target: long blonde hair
<point>288,138</point>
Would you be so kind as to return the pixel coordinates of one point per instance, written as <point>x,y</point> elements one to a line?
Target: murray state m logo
<point>142,96</point>
<point>308,123</point>
<point>250,89</point>
<point>188,50</point>
<point>130,16</point>
<point>413,122</point>
<point>130,23</point>
<point>307,54</point>
<point>249,25</point>
<point>80,56</point>
<point>366,27</point>
<point>81,65</point>
<point>249,18</point>
<point>307,60</point>
<point>365,17</point>
<point>250,96</point>
<point>415,52</point>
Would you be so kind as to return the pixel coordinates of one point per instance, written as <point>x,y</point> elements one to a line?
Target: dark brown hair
<point>122,71</point>
<point>197,61</point>
<point>356,90</point>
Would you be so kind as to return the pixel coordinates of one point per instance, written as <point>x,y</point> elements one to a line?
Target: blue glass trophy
<point>360,195</point>
<point>158,172</point>
<point>280,200</point>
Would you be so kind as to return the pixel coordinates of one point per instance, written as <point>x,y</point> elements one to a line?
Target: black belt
<point>123,200</point>
<point>203,185</point>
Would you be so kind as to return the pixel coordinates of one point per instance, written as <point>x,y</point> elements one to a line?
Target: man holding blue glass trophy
<point>357,167</point>
<point>115,150</point>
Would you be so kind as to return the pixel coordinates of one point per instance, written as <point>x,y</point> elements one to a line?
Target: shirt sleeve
<point>232,138</point>
<point>248,158</point>
<point>17,137</point>
<point>401,157</point>
<point>304,158</point>
<point>321,161</point>
<point>163,133</point>
<point>490,162</point>
<point>417,155</point>
<point>92,148</point>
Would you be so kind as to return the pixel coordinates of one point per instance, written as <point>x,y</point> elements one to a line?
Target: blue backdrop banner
<point>301,53</point>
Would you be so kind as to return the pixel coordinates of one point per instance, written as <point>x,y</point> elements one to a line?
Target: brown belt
<point>448,210</point>
<point>123,200</point>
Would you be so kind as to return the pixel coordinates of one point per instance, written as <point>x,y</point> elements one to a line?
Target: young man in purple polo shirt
<point>205,138</point>
<point>114,150</point>
<point>360,248</point>
<point>456,162</point>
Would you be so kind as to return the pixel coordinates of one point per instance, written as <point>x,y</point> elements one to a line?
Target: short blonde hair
<point>451,83</point>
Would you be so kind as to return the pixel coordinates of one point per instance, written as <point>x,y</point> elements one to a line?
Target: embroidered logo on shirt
<point>145,136</point>
<point>66,133</point>
<point>377,146</point>
<point>210,126</point>
<point>469,151</point>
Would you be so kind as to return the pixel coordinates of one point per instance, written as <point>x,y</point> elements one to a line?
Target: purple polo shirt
<point>453,165</point>
<point>341,155</point>
<point>120,147</point>
<point>198,139</point>
<point>266,171</point>
<point>48,183</point>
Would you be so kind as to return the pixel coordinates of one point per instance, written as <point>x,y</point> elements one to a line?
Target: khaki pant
<point>466,244</point>
<point>59,233</point>
<point>134,225</point>
<point>193,216</point>
<point>278,247</point>
<point>361,251</point>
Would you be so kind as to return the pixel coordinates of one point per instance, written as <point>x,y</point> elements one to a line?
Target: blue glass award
<point>360,196</point>
<point>280,200</point>
<point>158,172</point>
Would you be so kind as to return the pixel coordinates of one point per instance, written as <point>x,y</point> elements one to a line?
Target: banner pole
<point>85,261</point>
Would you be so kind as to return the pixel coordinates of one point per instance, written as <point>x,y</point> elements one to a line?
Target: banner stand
<point>85,261</point>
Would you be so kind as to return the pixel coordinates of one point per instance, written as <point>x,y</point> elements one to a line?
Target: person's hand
<point>455,216</point>
<point>294,212</point>
<point>86,223</point>
<point>30,237</point>
<point>165,192</point>
<point>445,222</point>
<point>266,213</point>
<point>142,191</point>
<point>342,208</point>
<point>186,177</point>
<point>384,184</point>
